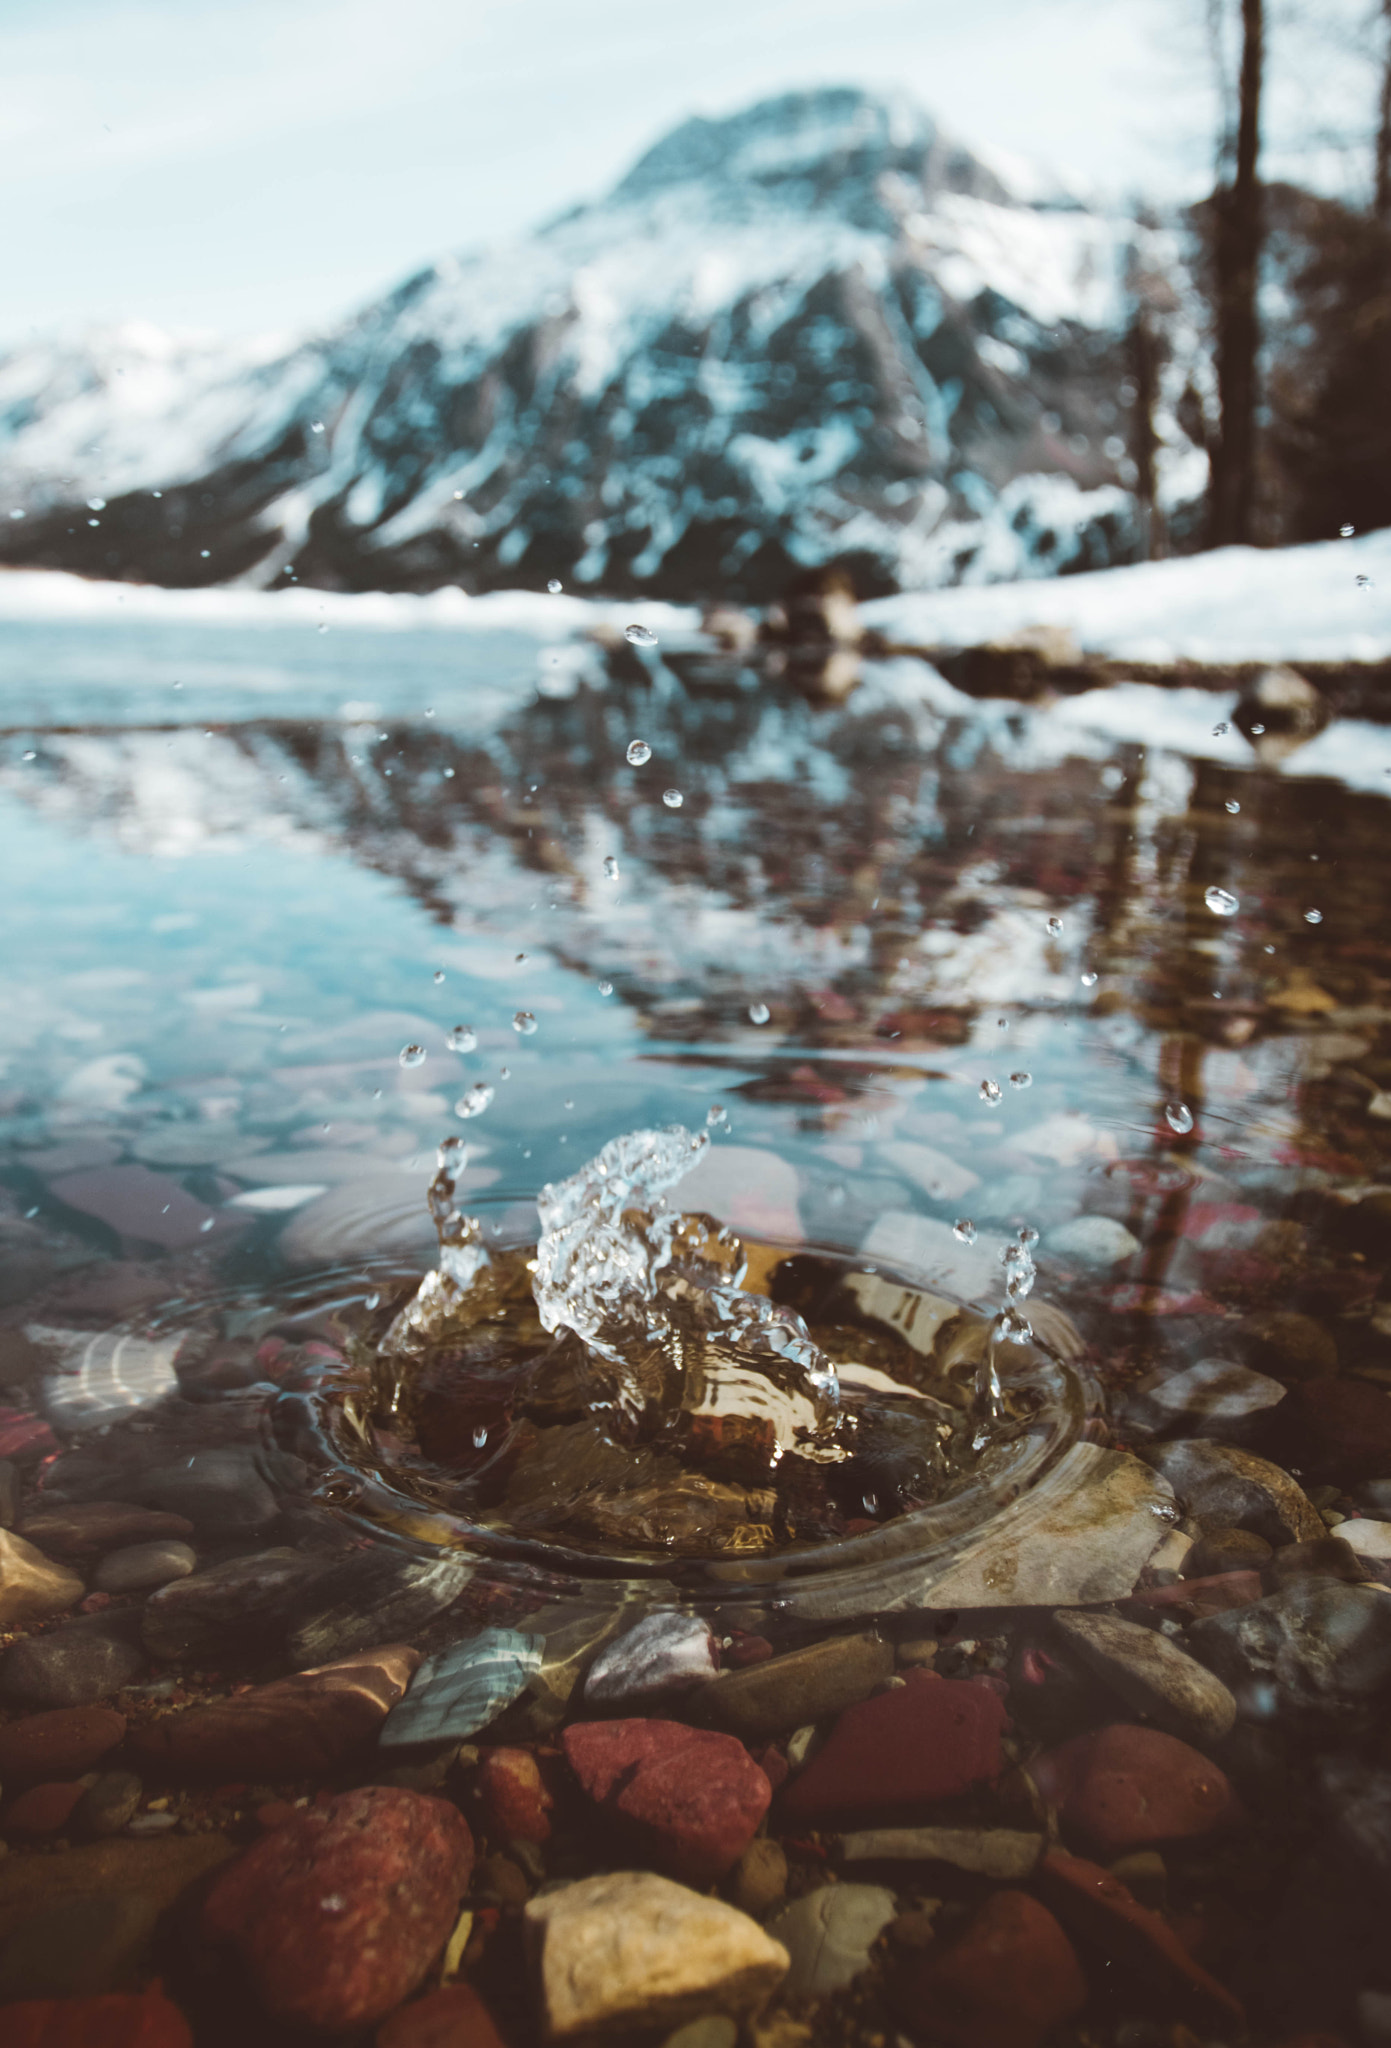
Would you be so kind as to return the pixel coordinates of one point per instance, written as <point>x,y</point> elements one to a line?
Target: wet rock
<point>145,2019</point>
<point>336,1915</point>
<point>32,1586</point>
<point>1370,1541</point>
<point>715,2030</point>
<point>25,1436</point>
<point>143,1208</point>
<point>1226,1550</point>
<point>1094,1905</point>
<point>462,1689</point>
<point>828,1935</point>
<point>9,1494</point>
<point>107,1806</point>
<point>370,1596</point>
<point>1315,1647</point>
<point>1223,1487</point>
<point>229,1610</point>
<point>1338,1429</point>
<point>1195,1599</point>
<point>1373,1496</point>
<point>633,1950</point>
<point>90,1527</point>
<point>1326,1557</point>
<point>1286,1345</point>
<point>454,2017</point>
<point>1094,1241</point>
<point>805,1685</point>
<point>42,1810</point>
<point>760,1876</point>
<point>75,1665</point>
<point>1088,1541</point>
<point>294,1727</point>
<point>501,1882</point>
<point>1213,1398</point>
<point>1125,1787</point>
<point>62,1744</point>
<point>144,1566</point>
<point>1006,1855</point>
<point>930,1738</point>
<point>159,1870</point>
<point>1152,1675</point>
<point>1006,1980</point>
<point>662,1654</point>
<point>515,1800</point>
<point>223,1490</point>
<point>691,1797</point>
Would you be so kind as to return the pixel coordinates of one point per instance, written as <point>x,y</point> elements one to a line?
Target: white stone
<point>1092,1241</point>
<point>746,1187</point>
<point>942,1178</point>
<point>922,1248</point>
<point>664,1653</point>
<point>1368,1539</point>
<point>629,1949</point>
<point>829,1933</point>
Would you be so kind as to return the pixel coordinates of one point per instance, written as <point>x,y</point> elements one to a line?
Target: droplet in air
<point>991,1091</point>
<point>673,799</point>
<point>29,755</point>
<point>504,1073</point>
<point>640,636</point>
<point>1221,902</point>
<point>1021,1080</point>
<point>316,426</point>
<point>475,1100</point>
<point>1363,582</point>
<point>1179,1117</point>
<point>463,1038</point>
<point>759,1013</point>
<point>555,586</point>
<point>439,976</point>
<point>520,957</point>
<point>96,504</point>
<point>1089,979</point>
<point>611,866</point>
<point>1220,731</point>
<point>639,753</point>
<point>1054,927</point>
<point>1232,805</point>
<point>870,1503</point>
<point>412,1055</point>
<point>1347,531</point>
<point>524,1023</point>
<point>480,1435</point>
<point>371,1301</point>
<point>1313,917</point>
<point>1256,731</point>
<point>1013,1327</point>
<point>606,988</point>
<point>716,1115</point>
<point>965,1230</point>
<point>452,1156</point>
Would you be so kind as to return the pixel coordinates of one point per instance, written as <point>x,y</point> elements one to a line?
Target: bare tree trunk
<point>1238,248</point>
<point>1381,203</point>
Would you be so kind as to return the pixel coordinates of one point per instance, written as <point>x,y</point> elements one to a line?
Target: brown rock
<point>32,1586</point>
<point>42,1810</point>
<point>61,1744</point>
<point>1151,1674</point>
<point>292,1728</point>
<point>160,1869</point>
<point>1287,1345</point>
<point>455,2017</point>
<point>1096,1906</point>
<point>1336,1430</point>
<point>1223,1487</point>
<point>1125,1787</point>
<point>1225,1550</point>
<point>786,1692</point>
<point>89,1528</point>
<point>117,2019</point>
<point>759,1879</point>
<point>1006,1981</point>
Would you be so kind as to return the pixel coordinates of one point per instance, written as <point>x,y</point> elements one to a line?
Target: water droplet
<point>371,1301</point>
<point>991,1091</point>
<point>1313,917</point>
<point>475,1100</point>
<point>452,1156</point>
<point>606,988</point>
<point>524,1023</point>
<point>316,426</point>
<point>29,755</point>
<point>1256,731</point>
<point>965,1229</point>
<point>439,976</point>
<point>207,1223</point>
<point>1054,927</point>
<point>520,957</point>
<point>673,799</point>
<point>1013,1327</point>
<point>463,1038</point>
<point>716,1115</point>
<point>412,1055</point>
<point>640,636</point>
<point>1089,979</point>
<point>1027,1235</point>
<point>555,586</point>
<point>639,753</point>
<point>759,1013</point>
<point>1021,1080</point>
<point>1220,731</point>
<point>1347,531</point>
<point>611,866</point>
<point>96,504</point>
<point>870,1503</point>
<point>1179,1117</point>
<point>1232,805</point>
<point>1221,902</point>
<point>480,1435</point>
<point>1363,582</point>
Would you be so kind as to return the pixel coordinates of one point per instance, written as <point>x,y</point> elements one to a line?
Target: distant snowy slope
<point>1330,601</point>
<point>820,329</point>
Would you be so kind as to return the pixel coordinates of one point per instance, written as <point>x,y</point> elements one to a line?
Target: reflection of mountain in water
<point>881,868</point>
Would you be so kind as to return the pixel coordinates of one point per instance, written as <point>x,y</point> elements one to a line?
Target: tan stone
<point>158,1869</point>
<point>1152,1675</point>
<point>32,1586</point>
<point>1008,1855</point>
<point>630,1950</point>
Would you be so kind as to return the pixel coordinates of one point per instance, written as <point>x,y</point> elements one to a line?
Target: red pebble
<point>337,1915</point>
<point>60,1744</point>
<point>1007,1979</point>
<point>744,1649</point>
<point>930,1738</point>
<point>693,1797</point>
<point>1195,1599</point>
<point>515,1801</point>
<point>118,2019</point>
<point>453,2018</point>
<point>1124,1787</point>
<point>1098,1908</point>
<point>42,1810</point>
<point>23,1435</point>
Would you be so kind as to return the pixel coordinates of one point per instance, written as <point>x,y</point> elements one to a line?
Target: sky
<point>252,167</point>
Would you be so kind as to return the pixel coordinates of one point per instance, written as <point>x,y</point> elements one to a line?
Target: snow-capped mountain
<point>818,330</point>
